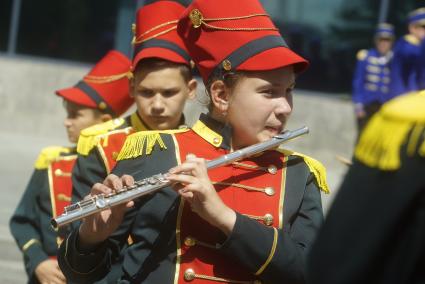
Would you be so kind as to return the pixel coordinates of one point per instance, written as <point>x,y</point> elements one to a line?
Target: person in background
<point>372,75</point>
<point>93,100</point>
<point>251,221</point>
<point>374,231</point>
<point>404,70</point>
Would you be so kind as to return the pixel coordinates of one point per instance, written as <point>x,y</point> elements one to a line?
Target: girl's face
<point>259,105</point>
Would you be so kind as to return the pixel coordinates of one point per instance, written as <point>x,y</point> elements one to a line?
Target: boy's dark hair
<point>157,63</point>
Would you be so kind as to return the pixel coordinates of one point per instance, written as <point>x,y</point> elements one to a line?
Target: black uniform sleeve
<point>24,223</point>
<point>87,171</point>
<point>278,255</point>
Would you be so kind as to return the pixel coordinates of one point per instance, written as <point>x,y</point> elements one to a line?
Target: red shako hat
<point>226,35</point>
<point>155,33</point>
<point>105,87</point>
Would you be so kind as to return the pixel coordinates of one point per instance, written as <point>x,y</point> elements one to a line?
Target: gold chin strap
<point>140,39</point>
<point>198,20</point>
<point>107,79</point>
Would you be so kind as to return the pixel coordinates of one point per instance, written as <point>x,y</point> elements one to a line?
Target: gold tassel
<point>48,155</point>
<point>89,137</point>
<point>380,143</point>
<point>140,143</point>
<point>315,167</point>
<point>144,141</point>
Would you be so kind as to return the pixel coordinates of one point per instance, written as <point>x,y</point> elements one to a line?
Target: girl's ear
<point>219,96</point>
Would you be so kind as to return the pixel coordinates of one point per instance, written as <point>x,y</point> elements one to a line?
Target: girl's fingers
<point>113,182</point>
<point>99,188</point>
<point>127,180</point>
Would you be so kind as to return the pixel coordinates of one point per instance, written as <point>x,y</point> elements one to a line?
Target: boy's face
<point>79,117</point>
<point>383,45</point>
<point>160,95</point>
<point>417,30</point>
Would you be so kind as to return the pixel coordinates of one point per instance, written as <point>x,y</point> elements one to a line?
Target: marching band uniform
<point>99,145</point>
<point>406,56</point>
<point>374,233</point>
<point>372,76</point>
<point>276,193</point>
<point>49,189</point>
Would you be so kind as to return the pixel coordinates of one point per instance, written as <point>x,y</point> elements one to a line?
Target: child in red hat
<point>161,84</point>
<point>248,222</point>
<point>100,96</point>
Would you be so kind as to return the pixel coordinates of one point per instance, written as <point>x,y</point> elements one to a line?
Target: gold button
<point>189,241</point>
<point>189,274</point>
<point>196,18</point>
<point>102,105</point>
<point>268,219</point>
<point>216,141</point>
<point>269,191</point>
<point>58,172</point>
<point>115,155</point>
<point>272,169</point>
<point>227,65</point>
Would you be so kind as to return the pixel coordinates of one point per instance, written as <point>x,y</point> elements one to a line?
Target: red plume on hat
<point>105,87</point>
<point>155,33</point>
<point>225,35</point>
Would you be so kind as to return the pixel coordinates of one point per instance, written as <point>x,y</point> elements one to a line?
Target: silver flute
<point>100,202</point>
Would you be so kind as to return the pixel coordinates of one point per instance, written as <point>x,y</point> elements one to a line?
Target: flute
<point>100,202</point>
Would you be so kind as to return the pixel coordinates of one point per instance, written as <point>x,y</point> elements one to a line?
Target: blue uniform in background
<point>404,71</point>
<point>421,67</point>
<point>371,78</point>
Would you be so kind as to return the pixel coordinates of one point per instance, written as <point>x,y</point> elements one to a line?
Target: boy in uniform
<point>162,82</point>
<point>93,100</point>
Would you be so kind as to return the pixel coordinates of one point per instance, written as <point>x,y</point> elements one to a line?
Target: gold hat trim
<point>107,79</point>
<point>139,39</point>
<point>198,20</point>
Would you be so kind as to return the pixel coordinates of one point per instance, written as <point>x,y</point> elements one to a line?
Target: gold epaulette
<point>48,155</point>
<point>89,136</point>
<point>361,54</point>
<point>412,39</point>
<point>315,167</point>
<point>143,142</point>
<point>380,144</point>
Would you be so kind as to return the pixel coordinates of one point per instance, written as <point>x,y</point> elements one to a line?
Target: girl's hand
<point>194,185</point>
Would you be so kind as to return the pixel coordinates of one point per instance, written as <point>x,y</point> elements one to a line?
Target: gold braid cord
<point>139,39</point>
<point>107,79</point>
<point>198,20</point>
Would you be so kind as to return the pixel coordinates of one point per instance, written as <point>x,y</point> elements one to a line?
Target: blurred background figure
<point>100,96</point>
<point>404,70</point>
<point>372,76</point>
<point>375,229</point>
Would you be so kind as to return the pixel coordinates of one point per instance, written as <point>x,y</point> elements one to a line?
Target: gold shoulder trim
<point>48,155</point>
<point>361,54</point>
<point>207,133</point>
<point>143,142</point>
<point>89,136</point>
<point>412,39</point>
<point>315,167</point>
<point>381,141</point>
